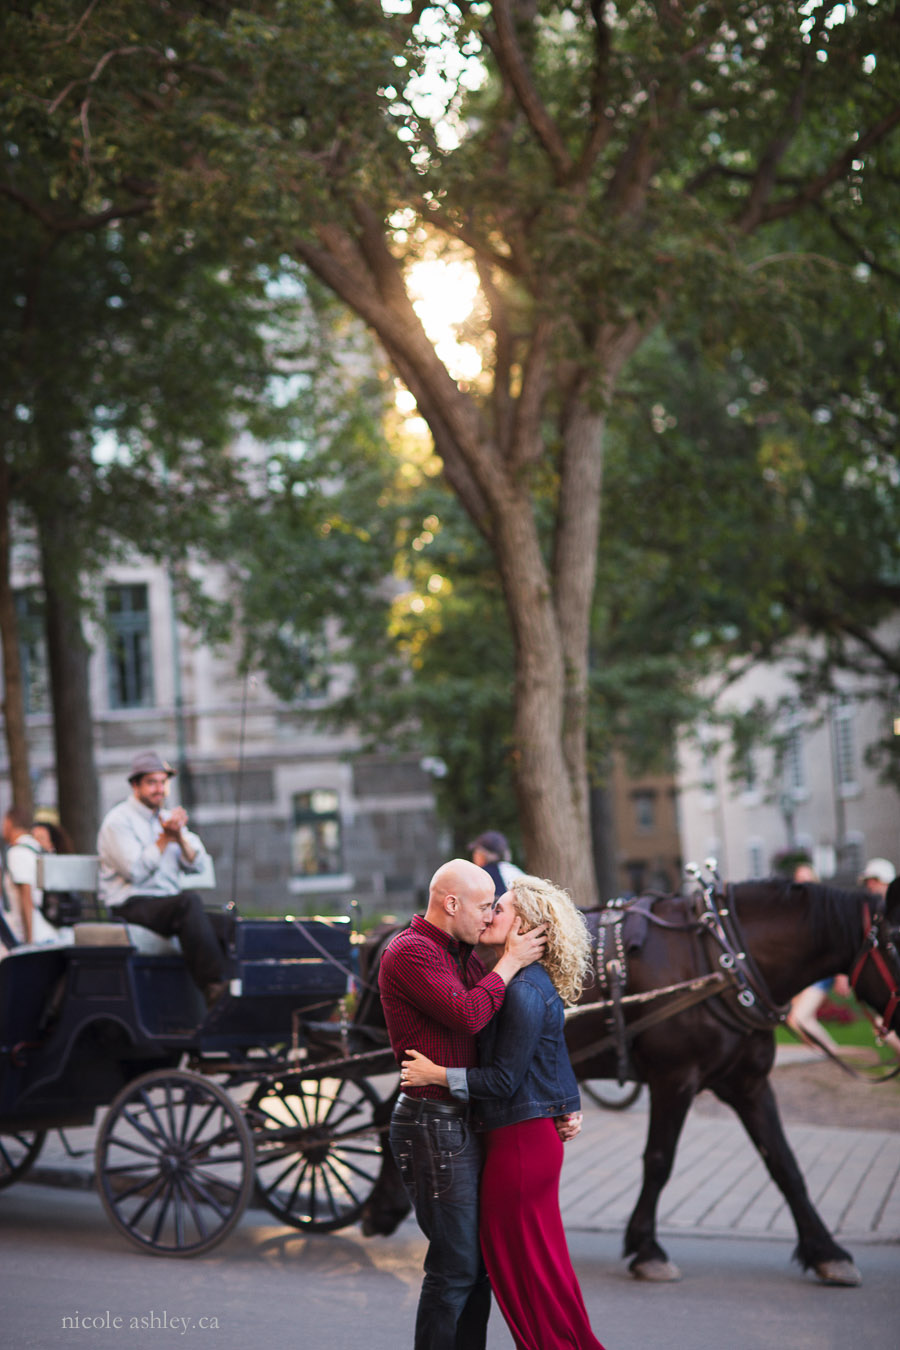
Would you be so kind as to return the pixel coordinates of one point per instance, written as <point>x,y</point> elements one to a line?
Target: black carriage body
<point>78,1023</point>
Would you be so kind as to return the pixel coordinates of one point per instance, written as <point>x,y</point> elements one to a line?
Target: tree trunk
<point>68,655</point>
<point>603,834</point>
<point>13,683</point>
<point>549,619</point>
<point>554,825</point>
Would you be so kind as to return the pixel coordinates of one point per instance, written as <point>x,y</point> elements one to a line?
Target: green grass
<point>859,1032</point>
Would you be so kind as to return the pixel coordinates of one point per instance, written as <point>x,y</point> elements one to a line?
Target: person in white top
<point>24,896</point>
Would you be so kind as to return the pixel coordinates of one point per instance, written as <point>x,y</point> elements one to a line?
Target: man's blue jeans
<point>439,1158</point>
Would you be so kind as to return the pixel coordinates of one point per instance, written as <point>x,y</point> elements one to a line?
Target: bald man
<point>437,997</point>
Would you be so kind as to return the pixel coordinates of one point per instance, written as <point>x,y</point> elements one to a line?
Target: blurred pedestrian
<point>491,851</point>
<point>877,875</point>
<point>24,896</point>
<point>803,1017</point>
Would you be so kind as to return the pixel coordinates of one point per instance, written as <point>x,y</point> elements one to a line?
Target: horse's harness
<point>879,947</point>
<point>735,988</point>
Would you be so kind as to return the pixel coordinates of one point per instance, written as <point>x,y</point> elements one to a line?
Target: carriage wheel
<point>609,1094</point>
<point>174,1163</point>
<point>18,1152</point>
<point>318,1151</point>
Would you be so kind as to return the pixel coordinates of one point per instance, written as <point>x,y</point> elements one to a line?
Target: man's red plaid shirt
<point>436,998</point>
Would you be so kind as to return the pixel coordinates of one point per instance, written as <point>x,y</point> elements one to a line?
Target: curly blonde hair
<point>567,955</point>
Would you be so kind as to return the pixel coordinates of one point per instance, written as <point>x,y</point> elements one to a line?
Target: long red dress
<point>523,1239</point>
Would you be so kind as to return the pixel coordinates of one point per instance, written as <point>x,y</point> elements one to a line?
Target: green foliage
<point>714,187</point>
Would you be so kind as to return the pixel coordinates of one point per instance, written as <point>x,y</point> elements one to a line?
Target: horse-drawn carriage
<point>262,1090</point>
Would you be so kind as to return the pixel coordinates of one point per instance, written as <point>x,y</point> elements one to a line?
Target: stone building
<point>811,788</point>
<point>296,818</point>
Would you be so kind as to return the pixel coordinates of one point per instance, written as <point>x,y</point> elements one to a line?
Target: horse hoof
<point>659,1272</point>
<point>838,1272</point>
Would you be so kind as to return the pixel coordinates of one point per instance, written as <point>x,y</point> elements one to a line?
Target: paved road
<point>268,1288</point>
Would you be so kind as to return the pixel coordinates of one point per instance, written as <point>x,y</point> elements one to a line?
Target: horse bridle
<point>753,1008</point>
<point>878,947</point>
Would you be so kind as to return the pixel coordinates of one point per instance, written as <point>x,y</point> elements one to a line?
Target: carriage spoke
<point>155,1190</point>
<point>342,1180</point>
<point>301,1173</point>
<point>272,1186</point>
<point>163,1211</point>
<point>155,1138</point>
<point>196,1211</point>
<point>131,1147</point>
<point>189,1140</point>
<point>326,1186</point>
<point>153,1113</point>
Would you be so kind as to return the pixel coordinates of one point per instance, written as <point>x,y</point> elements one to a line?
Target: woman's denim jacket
<point>525,1070</point>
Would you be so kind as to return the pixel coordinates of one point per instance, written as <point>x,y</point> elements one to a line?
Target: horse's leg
<point>754,1101</point>
<point>668,1108</point>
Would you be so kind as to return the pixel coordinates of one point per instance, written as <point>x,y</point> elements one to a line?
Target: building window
<point>316,836</point>
<point>129,657</point>
<point>644,811</point>
<point>844,749</point>
<point>33,650</point>
<point>748,774</point>
<point>708,795</point>
<point>794,766</point>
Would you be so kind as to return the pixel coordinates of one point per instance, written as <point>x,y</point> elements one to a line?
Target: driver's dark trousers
<point>205,935</point>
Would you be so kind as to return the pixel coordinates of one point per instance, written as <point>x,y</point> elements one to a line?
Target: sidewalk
<point>719,1186</point>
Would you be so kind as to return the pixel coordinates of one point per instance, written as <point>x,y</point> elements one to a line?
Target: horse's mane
<point>837,910</point>
<point>832,910</point>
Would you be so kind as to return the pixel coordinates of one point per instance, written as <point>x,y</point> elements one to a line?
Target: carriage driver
<point>145,853</point>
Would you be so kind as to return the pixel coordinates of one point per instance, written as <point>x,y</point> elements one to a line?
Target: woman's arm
<point>519,1025</point>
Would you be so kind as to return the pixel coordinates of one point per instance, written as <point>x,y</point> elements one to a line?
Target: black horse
<point>786,937</point>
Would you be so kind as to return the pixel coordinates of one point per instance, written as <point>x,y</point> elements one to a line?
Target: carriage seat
<point>144,940</point>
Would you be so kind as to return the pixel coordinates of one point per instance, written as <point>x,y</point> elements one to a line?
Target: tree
<point>619,166</point>
<point>127,371</point>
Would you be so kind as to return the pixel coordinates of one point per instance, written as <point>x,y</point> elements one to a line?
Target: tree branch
<point>510,59</point>
<point>764,177</point>
<point>527,442</point>
<point>435,216</point>
<point>864,254</point>
<point>367,277</point>
<point>503,358</point>
<point>817,187</point>
<point>92,222</point>
<point>888,659</point>
<point>73,33</point>
<point>601,126</point>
